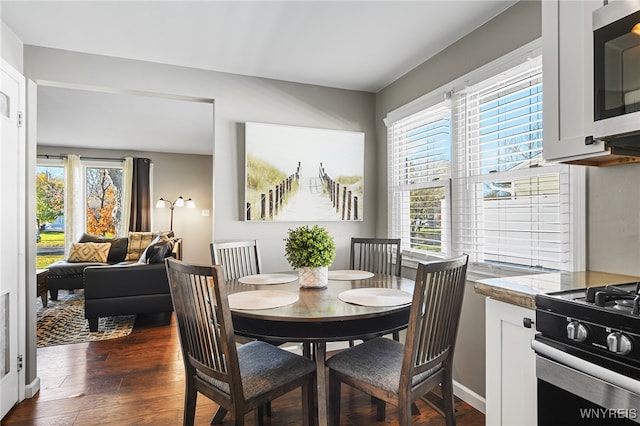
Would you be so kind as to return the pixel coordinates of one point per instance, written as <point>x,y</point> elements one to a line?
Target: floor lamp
<point>179,202</point>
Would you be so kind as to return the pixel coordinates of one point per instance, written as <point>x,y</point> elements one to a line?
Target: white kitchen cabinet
<point>567,55</point>
<point>511,390</point>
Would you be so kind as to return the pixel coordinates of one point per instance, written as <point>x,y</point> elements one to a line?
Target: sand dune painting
<point>297,174</point>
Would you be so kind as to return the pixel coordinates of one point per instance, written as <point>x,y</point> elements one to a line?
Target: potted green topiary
<point>310,250</point>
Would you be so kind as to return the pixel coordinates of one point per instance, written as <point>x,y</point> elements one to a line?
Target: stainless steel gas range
<point>588,356</point>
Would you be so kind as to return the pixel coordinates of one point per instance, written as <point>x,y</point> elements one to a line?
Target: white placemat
<point>261,299</point>
<point>349,274</point>
<point>268,279</point>
<point>376,297</point>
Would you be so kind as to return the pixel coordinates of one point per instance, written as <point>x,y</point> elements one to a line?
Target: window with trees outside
<point>101,198</point>
<point>466,174</point>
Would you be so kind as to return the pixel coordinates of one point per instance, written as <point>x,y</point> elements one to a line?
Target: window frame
<point>55,161</point>
<point>395,186</point>
<point>577,176</point>
<point>99,164</point>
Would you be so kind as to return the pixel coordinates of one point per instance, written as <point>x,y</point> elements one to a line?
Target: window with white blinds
<point>505,205</point>
<point>419,174</point>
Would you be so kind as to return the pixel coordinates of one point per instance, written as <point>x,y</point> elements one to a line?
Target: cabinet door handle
<point>590,140</point>
<point>527,322</point>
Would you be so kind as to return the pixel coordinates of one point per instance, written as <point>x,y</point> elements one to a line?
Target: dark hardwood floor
<point>139,380</point>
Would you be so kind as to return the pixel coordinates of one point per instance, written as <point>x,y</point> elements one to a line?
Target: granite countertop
<point>521,290</point>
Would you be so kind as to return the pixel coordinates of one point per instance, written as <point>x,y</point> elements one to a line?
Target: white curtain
<point>73,201</point>
<point>127,183</point>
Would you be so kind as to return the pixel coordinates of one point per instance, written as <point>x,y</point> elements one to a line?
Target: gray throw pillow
<point>158,251</point>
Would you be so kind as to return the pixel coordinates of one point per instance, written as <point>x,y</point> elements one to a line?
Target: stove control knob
<point>618,343</point>
<point>577,332</point>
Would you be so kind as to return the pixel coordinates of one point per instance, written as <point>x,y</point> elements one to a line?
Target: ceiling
<point>356,45</point>
<point>359,45</point>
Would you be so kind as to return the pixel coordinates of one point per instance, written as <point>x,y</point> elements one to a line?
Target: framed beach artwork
<point>297,174</point>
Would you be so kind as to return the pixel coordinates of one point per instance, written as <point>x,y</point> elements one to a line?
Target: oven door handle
<point>594,370</point>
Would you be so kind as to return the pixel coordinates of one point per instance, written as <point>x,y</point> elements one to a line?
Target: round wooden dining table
<point>319,315</point>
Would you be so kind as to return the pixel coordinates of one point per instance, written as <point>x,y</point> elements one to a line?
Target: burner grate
<point>616,297</point>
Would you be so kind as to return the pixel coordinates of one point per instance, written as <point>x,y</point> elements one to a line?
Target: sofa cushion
<point>160,248</point>
<point>138,242</point>
<point>89,252</point>
<point>63,269</point>
<point>118,250</point>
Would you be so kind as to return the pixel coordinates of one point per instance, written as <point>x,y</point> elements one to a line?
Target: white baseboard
<point>331,346</point>
<point>334,346</point>
<point>470,397</point>
<point>31,389</point>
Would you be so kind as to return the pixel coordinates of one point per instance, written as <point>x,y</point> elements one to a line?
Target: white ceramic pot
<point>313,277</point>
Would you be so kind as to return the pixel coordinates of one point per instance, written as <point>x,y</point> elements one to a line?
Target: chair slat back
<point>238,258</point>
<point>377,255</point>
<point>204,321</point>
<point>435,315</point>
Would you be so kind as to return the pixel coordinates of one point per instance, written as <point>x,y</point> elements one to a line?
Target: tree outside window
<point>104,200</point>
<point>50,234</point>
<point>49,195</point>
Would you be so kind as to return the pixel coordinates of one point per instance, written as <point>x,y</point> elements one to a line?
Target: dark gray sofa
<point>125,290</point>
<point>65,275</point>
<point>119,288</point>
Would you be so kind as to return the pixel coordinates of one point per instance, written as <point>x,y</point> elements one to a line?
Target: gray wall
<point>613,219</point>
<point>515,27</point>
<point>238,99</point>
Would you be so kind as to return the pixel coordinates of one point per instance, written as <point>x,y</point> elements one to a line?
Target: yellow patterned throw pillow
<point>138,242</point>
<point>89,252</point>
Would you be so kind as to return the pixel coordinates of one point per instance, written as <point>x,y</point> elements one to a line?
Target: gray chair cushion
<point>264,367</point>
<point>377,362</point>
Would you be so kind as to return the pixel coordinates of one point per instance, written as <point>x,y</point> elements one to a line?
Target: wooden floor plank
<point>139,380</point>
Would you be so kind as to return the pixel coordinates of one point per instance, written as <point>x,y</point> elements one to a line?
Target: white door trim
<point>20,245</point>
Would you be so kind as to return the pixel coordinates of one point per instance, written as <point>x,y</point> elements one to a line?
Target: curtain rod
<point>62,157</point>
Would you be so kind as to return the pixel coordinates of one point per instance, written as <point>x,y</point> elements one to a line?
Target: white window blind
<point>467,175</point>
<point>419,178</point>
<point>513,209</point>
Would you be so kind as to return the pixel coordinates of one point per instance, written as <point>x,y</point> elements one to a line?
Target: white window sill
<point>475,271</point>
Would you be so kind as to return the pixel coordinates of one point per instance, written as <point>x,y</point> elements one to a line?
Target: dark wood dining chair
<point>238,258</point>
<point>377,255</point>
<point>401,374</point>
<point>239,379</point>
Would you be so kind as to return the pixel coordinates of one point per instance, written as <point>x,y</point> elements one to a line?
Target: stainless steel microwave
<point>616,70</point>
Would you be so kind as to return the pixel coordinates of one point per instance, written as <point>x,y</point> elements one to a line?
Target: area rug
<point>63,322</point>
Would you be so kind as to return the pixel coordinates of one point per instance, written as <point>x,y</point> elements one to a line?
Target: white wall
<point>238,99</point>
<point>515,27</point>
<point>10,47</point>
